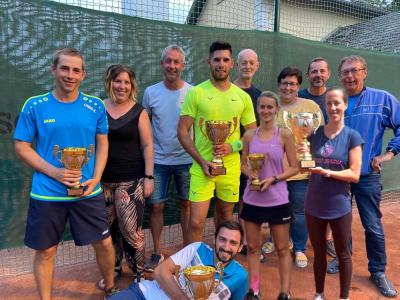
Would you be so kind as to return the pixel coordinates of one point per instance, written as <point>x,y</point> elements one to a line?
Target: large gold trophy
<point>302,124</point>
<point>74,158</point>
<point>255,161</point>
<point>218,132</point>
<point>200,281</point>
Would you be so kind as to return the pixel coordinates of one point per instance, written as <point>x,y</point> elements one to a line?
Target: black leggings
<point>341,231</point>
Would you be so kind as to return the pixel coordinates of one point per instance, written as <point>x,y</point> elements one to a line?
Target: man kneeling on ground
<point>228,242</point>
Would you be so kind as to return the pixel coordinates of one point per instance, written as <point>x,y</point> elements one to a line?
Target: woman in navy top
<point>337,150</point>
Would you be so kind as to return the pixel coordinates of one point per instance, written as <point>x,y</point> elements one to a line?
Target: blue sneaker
<point>384,285</point>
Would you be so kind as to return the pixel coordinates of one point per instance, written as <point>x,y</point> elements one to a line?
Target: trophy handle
<point>286,118</point>
<point>220,271</point>
<point>201,123</point>
<point>176,274</point>
<point>90,153</point>
<point>235,123</point>
<point>56,152</point>
<point>318,117</point>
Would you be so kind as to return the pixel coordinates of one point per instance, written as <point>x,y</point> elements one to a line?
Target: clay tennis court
<point>79,281</point>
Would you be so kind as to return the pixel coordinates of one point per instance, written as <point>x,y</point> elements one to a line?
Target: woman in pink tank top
<point>270,203</point>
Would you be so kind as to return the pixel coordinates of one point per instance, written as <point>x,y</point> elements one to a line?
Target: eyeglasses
<point>353,71</point>
<point>289,84</point>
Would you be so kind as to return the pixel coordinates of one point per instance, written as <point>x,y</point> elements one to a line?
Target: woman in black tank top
<point>128,176</point>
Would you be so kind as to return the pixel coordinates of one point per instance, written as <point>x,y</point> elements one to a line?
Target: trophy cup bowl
<point>302,124</point>
<point>200,281</point>
<point>217,131</point>
<point>255,162</point>
<point>73,158</point>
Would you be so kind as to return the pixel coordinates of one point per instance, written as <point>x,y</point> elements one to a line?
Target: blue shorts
<point>46,222</point>
<point>162,179</point>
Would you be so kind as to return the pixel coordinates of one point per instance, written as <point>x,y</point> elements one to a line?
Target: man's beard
<point>231,256</point>
<point>216,78</point>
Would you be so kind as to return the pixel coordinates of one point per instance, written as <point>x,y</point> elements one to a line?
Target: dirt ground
<point>79,281</point>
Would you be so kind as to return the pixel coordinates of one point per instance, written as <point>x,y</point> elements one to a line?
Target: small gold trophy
<point>255,162</point>
<point>74,158</point>
<point>200,281</point>
<point>302,124</point>
<point>217,132</point>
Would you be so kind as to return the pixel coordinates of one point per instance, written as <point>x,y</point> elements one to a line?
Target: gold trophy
<point>200,281</point>
<point>302,124</point>
<point>255,161</point>
<point>74,158</point>
<point>217,132</point>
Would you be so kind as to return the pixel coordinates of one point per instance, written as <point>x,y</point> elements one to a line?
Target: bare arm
<point>352,174</point>
<point>29,156</point>
<point>164,275</point>
<point>287,141</point>
<point>245,152</point>
<point>183,133</point>
<point>100,163</point>
<point>146,140</point>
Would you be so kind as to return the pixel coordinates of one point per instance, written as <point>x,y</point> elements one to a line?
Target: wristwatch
<point>391,149</point>
<point>149,176</point>
<point>275,180</point>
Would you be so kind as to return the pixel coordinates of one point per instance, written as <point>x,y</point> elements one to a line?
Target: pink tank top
<point>276,194</point>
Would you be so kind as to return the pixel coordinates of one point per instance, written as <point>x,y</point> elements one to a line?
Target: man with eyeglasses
<point>369,112</point>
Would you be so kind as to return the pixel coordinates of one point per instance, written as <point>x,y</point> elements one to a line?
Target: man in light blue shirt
<point>163,102</point>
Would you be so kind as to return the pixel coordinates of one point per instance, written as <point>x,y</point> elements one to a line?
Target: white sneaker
<point>319,297</point>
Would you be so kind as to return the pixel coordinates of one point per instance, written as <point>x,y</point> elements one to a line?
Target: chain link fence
<point>366,24</point>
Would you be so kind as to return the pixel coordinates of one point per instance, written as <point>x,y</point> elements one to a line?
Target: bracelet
<point>328,174</point>
<point>149,177</point>
<point>275,180</point>
<point>236,145</point>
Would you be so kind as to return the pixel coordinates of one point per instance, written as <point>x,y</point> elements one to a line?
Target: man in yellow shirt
<point>216,99</point>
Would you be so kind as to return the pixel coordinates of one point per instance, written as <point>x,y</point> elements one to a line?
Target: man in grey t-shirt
<point>163,102</point>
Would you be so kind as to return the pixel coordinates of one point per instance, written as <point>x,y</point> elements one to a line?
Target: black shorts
<point>46,222</point>
<point>274,215</point>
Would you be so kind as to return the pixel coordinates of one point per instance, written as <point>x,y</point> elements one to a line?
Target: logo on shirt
<point>210,98</point>
<point>326,150</point>
<point>89,107</point>
<point>234,99</point>
<point>46,121</point>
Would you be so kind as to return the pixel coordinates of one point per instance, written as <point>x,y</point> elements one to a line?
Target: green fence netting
<point>30,31</point>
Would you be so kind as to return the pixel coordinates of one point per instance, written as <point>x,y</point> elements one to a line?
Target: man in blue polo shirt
<point>370,111</point>
<point>65,118</point>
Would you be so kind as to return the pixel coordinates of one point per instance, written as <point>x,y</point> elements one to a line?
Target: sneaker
<point>117,275</point>
<point>284,296</point>
<point>330,248</point>
<point>268,247</point>
<point>251,295</point>
<point>138,277</point>
<point>154,261</point>
<point>110,292</point>
<point>263,259</point>
<point>333,267</point>
<point>244,250</point>
<point>384,285</point>
<point>319,297</point>
<point>300,259</point>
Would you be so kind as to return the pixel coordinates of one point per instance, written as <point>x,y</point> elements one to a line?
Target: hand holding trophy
<point>255,162</point>
<point>217,132</point>
<point>74,158</point>
<point>302,124</point>
<point>200,281</point>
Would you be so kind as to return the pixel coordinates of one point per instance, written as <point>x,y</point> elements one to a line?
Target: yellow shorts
<point>226,187</point>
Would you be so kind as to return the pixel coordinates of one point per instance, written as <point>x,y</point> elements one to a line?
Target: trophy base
<point>255,186</point>
<point>75,191</point>
<point>219,170</point>
<point>307,164</point>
